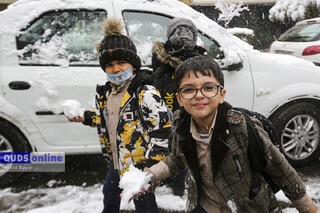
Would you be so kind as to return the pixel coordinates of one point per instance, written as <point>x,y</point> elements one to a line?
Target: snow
<point>229,10</point>
<point>293,9</point>
<point>132,182</point>
<point>88,199</point>
<point>72,108</point>
<point>67,199</point>
<point>85,198</point>
<point>238,30</point>
<point>21,12</point>
<point>232,206</point>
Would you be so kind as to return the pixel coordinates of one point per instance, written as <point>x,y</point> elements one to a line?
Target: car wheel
<point>11,140</point>
<point>298,127</point>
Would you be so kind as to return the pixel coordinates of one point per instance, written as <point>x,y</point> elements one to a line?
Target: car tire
<point>298,129</point>
<point>11,140</point>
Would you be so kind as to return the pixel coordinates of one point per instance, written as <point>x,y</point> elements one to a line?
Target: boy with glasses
<point>211,140</point>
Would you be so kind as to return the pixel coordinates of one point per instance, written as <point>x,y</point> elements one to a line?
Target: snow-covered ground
<point>88,199</point>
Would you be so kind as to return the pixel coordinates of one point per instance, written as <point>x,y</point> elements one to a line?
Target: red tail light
<point>311,50</point>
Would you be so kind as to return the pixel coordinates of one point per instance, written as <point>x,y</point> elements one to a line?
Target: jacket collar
<point>163,56</point>
<point>220,132</point>
<point>165,53</point>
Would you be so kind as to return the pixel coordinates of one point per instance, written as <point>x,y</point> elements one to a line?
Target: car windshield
<point>302,33</point>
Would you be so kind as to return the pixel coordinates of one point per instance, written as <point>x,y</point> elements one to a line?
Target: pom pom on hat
<point>116,46</point>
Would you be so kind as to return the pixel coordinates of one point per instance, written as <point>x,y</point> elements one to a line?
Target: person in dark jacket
<point>182,37</point>
<point>133,122</point>
<point>211,141</point>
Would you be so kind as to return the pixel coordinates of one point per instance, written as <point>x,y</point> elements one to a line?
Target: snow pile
<point>237,30</point>
<point>51,52</point>
<point>43,81</point>
<point>72,108</point>
<point>87,199</point>
<point>68,199</point>
<point>132,182</point>
<point>293,9</point>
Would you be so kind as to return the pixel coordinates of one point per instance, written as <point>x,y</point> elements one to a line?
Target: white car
<point>47,56</point>
<point>302,40</point>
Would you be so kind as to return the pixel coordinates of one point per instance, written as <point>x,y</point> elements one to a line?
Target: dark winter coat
<point>141,141</point>
<point>164,62</point>
<point>232,174</point>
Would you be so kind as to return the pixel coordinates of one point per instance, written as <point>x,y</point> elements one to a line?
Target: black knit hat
<point>115,46</point>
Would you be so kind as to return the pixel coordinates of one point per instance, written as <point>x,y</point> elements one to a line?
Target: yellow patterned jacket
<point>144,126</point>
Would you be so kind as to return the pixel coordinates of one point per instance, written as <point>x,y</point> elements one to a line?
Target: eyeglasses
<point>208,91</point>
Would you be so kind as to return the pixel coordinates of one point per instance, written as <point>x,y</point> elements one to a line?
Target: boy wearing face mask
<point>182,37</point>
<point>133,122</point>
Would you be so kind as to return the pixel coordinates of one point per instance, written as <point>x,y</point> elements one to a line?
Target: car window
<point>302,33</point>
<point>212,47</point>
<point>62,37</point>
<point>145,28</point>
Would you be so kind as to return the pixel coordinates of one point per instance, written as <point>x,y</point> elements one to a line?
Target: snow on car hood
<point>288,60</point>
<point>280,67</point>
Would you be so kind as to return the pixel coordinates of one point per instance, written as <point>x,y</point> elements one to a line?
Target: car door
<point>57,61</point>
<point>144,26</point>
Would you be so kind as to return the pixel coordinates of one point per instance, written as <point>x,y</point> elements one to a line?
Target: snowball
<point>232,206</point>
<point>72,108</point>
<point>132,182</point>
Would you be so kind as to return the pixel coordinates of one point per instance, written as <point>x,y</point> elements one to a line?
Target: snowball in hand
<point>133,181</point>
<point>72,108</point>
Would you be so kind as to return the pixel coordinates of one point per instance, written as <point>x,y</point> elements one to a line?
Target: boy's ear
<point>222,95</point>
<point>178,99</point>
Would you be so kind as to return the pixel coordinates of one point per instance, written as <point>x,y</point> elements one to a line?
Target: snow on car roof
<point>20,13</point>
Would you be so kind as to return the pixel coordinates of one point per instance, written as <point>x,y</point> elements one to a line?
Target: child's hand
<point>75,119</point>
<point>152,188</point>
<point>136,196</point>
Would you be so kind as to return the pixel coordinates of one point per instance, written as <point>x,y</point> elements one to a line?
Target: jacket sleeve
<point>283,174</point>
<point>169,167</point>
<point>155,62</point>
<point>91,118</point>
<point>158,119</point>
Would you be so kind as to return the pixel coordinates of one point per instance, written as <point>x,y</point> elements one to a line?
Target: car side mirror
<point>235,67</point>
<point>232,62</point>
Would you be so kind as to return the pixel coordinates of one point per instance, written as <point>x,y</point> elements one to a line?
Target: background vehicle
<point>302,40</point>
<point>47,55</point>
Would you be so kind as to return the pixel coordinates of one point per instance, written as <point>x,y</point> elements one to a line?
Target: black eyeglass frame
<point>218,86</point>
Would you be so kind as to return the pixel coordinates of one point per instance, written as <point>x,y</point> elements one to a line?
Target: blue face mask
<point>120,78</point>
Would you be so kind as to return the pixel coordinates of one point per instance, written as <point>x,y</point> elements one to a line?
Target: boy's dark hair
<point>205,65</point>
